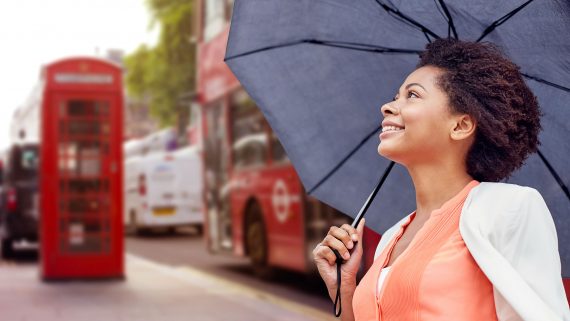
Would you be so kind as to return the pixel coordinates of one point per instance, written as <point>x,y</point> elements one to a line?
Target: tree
<point>164,72</point>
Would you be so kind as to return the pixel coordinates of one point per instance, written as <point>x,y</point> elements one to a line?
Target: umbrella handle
<point>339,260</point>
<point>337,305</point>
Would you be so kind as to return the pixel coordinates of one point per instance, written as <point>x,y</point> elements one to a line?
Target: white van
<point>163,190</point>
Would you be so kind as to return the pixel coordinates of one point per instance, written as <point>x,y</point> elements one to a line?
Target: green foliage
<point>163,73</point>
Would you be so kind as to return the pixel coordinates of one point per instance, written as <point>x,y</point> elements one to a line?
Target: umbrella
<point>320,69</point>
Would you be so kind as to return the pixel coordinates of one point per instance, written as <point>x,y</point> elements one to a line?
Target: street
<point>179,259</point>
<point>187,249</point>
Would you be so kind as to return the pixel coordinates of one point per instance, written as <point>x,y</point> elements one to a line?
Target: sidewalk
<point>151,292</point>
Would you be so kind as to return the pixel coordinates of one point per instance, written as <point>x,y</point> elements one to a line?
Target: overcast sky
<point>36,32</point>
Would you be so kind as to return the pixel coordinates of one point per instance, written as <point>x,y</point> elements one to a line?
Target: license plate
<point>163,211</point>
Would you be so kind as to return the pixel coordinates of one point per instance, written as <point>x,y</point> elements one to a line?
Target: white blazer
<point>510,233</point>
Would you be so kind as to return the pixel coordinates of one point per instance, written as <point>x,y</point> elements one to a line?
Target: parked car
<point>19,197</point>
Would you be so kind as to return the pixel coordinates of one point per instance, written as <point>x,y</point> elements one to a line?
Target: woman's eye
<point>412,94</point>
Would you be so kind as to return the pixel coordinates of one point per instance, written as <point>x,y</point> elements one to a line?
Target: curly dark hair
<point>481,82</point>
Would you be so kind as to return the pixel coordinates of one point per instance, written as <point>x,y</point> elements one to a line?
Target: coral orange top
<point>435,278</point>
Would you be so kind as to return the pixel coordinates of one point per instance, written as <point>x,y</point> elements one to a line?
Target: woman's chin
<point>383,151</point>
<point>387,152</point>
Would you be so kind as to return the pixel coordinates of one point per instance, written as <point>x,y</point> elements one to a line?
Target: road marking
<point>213,283</point>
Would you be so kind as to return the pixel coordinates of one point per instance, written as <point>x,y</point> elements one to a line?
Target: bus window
<point>249,132</point>
<point>216,153</point>
<point>216,175</point>
<point>278,154</point>
<point>214,18</point>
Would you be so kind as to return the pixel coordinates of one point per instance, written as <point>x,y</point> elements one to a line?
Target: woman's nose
<point>389,109</point>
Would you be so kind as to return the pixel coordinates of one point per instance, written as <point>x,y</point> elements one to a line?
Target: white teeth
<point>391,128</point>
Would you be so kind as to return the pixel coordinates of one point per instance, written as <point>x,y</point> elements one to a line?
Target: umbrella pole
<point>372,195</point>
<point>339,260</point>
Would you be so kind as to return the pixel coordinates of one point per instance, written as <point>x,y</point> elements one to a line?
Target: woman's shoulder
<point>509,231</point>
<point>499,206</point>
<point>502,197</point>
<point>505,189</point>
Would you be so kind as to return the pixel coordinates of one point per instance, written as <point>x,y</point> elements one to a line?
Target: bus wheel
<point>256,243</point>
<point>7,248</point>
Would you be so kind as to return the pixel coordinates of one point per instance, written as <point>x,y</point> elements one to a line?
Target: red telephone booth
<point>80,104</point>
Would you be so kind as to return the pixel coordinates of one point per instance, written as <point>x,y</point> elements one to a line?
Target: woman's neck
<point>435,184</point>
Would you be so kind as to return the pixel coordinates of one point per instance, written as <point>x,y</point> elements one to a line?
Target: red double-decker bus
<point>254,202</point>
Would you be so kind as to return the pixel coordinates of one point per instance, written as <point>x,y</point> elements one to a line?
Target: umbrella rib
<point>502,20</point>
<point>344,160</point>
<point>365,47</point>
<point>449,19</point>
<point>338,44</point>
<point>546,82</point>
<point>402,17</point>
<point>555,175</point>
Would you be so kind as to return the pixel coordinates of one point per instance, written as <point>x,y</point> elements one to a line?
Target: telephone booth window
<point>84,217</point>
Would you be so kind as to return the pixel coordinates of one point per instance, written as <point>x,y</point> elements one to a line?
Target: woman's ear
<point>463,128</point>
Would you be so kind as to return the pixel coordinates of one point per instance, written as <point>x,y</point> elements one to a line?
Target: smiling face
<point>425,128</point>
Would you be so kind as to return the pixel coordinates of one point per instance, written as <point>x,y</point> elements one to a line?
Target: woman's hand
<point>348,242</point>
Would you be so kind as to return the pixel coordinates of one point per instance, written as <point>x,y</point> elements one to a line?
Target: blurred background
<point>167,171</point>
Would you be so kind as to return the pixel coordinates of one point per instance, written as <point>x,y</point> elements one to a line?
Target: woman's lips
<point>390,133</point>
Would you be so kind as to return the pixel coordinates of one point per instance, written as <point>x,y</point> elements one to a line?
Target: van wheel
<point>256,243</point>
<point>7,248</point>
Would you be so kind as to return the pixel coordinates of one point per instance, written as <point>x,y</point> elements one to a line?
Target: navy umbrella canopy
<point>321,69</point>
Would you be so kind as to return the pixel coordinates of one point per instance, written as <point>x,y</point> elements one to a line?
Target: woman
<point>472,249</point>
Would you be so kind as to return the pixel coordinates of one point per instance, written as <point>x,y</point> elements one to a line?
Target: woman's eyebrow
<point>416,84</point>
<point>412,84</point>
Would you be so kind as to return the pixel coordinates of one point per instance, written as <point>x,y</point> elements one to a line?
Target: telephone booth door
<point>82,223</point>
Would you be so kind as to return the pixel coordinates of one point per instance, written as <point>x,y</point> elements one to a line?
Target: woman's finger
<point>342,235</point>
<point>351,231</point>
<point>325,252</point>
<point>338,245</point>
<point>360,231</point>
